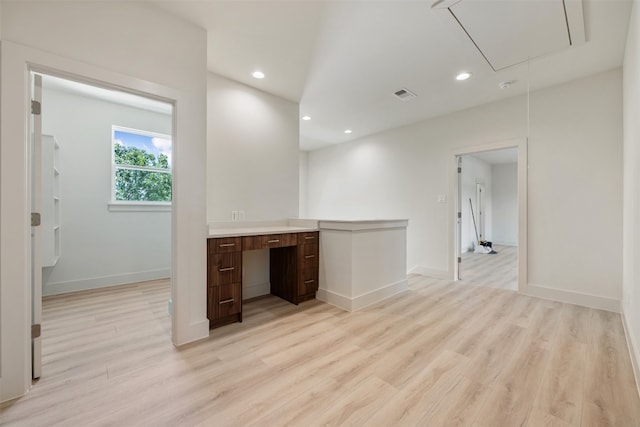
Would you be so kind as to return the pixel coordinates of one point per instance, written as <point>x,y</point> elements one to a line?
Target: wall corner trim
<point>364,300</point>
<point>430,272</point>
<point>196,331</point>
<point>634,348</point>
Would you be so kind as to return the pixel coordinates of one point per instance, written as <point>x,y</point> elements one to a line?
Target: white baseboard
<point>104,281</point>
<point>364,300</point>
<point>255,290</point>
<point>196,331</point>
<point>634,349</point>
<point>430,272</point>
<point>505,243</point>
<point>335,299</point>
<point>572,297</point>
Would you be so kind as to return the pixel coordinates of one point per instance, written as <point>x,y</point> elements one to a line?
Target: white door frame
<point>36,231</point>
<point>454,208</point>
<point>188,217</point>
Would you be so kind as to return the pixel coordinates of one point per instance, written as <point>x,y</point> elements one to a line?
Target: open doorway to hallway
<point>488,203</point>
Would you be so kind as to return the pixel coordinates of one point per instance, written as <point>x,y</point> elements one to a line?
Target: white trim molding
<point>523,167</point>
<point>572,297</point>
<point>634,348</point>
<point>365,300</point>
<point>139,207</point>
<point>104,281</point>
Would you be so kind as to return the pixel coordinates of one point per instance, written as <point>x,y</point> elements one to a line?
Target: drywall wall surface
<point>575,158</point>
<point>131,45</point>
<point>575,186</point>
<point>401,173</point>
<point>98,247</point>
<point>631,248</point>
<point>475,171</point>
<point>253,153</point>
<point>304,166</point>
<point>252,163</point>
<point>505,203</point>
<point>129,37</point>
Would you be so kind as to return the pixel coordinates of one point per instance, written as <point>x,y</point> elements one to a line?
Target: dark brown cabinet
<point>224,281</point>
<point>293,271</point>
<point>307,277</point>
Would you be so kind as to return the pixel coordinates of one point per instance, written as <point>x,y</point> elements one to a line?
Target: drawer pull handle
<point>222,270</point>
<point>226,301</point>
<point>273,241</point>
<point>226,245</point>
<point>309,281</point>
<point>309,256</point>
<point>309,237</point>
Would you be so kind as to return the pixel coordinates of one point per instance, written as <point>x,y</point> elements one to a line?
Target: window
<point>141,167</point>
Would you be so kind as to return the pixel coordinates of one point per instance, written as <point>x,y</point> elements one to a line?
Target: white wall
<point>631,260</point>
<point>131,45</point>
<point>304,166</point>
<point>98,247</point>
<point>505,203</point>
<point>575,159</point>
<point>253,149</point>
<point>475,171</point>
<point>252,163</point>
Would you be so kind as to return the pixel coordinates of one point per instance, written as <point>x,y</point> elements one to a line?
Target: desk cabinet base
<point>293,271</point>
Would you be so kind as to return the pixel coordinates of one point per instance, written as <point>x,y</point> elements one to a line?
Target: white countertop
<point>362,225</point>
<point>255,228</point>
<point>255,231</point>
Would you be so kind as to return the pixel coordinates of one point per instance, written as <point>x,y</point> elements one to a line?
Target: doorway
<point>102,181</point>
<point>489,215</point>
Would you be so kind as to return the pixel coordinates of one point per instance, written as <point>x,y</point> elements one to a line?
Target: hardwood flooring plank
<point>611,398</point>
<point>442,353</point>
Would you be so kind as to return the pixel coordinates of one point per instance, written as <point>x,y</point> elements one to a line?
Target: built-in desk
<point>293,267</point>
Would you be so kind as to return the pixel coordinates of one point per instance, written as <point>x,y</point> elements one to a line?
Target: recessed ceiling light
<point>348,131</point>
<point>463,76</point>
<point>258,74</point>
<point>305,118</point>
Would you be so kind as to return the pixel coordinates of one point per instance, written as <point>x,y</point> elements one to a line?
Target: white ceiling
<point>342,60</point>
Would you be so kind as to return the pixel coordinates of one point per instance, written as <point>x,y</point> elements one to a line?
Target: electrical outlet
<point>170,307</point>
<point>234,215</point>
<point>442,198</point>
<point>240,215</point>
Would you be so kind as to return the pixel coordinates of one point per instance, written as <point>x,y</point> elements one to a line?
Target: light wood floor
<point>491,270</point>
<point>440,354</point>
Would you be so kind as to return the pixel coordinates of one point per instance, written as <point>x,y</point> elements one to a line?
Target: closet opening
<point>102,185</point>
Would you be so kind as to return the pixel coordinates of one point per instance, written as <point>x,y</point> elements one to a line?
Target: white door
<point>36,238</point>
<point>481,214</point>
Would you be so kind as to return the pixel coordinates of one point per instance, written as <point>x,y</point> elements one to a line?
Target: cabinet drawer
<point>268,241</point>
<point>308,281</point>
<point>225,269</point>
<point>307,252</point>
<point>308,237</point>
<point>225,300</point>
<point>224,245</point>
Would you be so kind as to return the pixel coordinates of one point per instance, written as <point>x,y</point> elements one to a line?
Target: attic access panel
<point>510,32</point>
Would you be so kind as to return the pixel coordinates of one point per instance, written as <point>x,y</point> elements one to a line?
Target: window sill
<point>139,207</point>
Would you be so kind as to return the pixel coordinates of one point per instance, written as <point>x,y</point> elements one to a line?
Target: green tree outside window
<point>142,170</point>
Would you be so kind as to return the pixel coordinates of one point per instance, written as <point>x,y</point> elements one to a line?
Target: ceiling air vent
<point>404,94</point>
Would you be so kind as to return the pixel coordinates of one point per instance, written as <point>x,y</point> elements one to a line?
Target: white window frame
<point>135,205</point>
